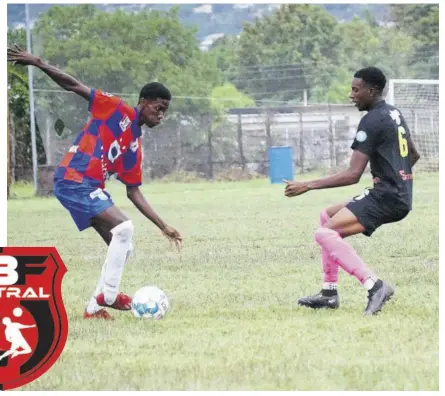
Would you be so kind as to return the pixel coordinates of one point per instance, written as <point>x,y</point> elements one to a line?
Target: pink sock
<point>330,266</point>
<point>343,253</point>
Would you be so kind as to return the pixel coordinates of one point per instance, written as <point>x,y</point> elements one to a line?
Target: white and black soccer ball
<point>150,302</point>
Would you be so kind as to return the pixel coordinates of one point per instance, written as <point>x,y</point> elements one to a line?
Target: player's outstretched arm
<point>414,154</point>
<point>22,326</point>
<point>137,198</point>
<point>347,177</point>
<point>18,56</point>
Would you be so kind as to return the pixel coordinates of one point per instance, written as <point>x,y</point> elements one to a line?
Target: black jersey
<point>382,135</point>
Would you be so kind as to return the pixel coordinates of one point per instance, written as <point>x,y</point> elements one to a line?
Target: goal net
<point>418,100</point>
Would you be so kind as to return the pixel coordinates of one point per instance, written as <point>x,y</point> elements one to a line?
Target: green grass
<point>249,254</point>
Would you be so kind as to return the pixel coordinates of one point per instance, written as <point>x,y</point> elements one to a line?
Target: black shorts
<point>373,209</point>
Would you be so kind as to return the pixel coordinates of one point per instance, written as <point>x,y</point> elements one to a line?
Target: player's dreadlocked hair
<point>372,76</point>
<point>155,90</point>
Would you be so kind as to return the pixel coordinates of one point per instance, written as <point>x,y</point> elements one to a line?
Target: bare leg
<point>24,351</point>
<point>13,350</point>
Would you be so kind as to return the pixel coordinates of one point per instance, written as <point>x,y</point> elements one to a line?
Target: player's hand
<point>294,188</point>
<point>174,236</point>
<point>18,56</point>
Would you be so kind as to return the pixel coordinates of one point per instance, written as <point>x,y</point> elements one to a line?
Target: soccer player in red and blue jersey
<point>110,143</point>
<point>384,140</point>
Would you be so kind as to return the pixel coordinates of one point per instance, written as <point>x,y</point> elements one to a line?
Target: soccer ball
<point>150,302</point>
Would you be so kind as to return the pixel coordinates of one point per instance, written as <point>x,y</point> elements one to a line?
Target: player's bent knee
<point>124,231</point>
<point>333,210</point>
<point>323,234</point>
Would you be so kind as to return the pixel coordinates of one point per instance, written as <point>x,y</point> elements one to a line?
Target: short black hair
<point>372,76</point>
<point>155,90</point>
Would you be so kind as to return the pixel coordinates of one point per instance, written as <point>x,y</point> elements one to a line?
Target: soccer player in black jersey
<point>384,140</point>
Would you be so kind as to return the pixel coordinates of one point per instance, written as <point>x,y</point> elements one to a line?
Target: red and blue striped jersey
<point>109,143</point>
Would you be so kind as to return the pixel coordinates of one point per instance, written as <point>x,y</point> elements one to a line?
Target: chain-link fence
<point>195,137</point>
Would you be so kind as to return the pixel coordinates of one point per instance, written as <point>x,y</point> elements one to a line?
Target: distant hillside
<point>212,20</point>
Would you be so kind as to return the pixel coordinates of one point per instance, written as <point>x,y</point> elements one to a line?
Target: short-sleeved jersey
<point>108,144</point>
<point>382,135</point>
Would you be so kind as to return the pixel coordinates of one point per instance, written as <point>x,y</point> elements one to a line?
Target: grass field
<point>249,254</point>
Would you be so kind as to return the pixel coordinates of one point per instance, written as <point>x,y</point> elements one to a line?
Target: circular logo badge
<point>361,136</point>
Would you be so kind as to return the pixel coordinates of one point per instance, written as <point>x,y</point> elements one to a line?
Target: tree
<point>224,52</point>
<point>301,47</point>
<point>119,52</point>
<point>18,114</point>
<point>386,47</point>
<point>421,23</point>
<point>281,55</point>
<point>337,91</point>
<point>381,46</point>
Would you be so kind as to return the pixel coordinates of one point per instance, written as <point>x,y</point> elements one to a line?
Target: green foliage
<point>301,47</point>
<point>421,23</point>
<point>337,91</point>
<point>18,104</point>
<point>119,52</point>
<point>367,44</point>
<point>224,51</point>
<point>225,18</point>
<point>269,50</point>
<point>286,51</point>
<point>227,96</point>
<point>18,98</point>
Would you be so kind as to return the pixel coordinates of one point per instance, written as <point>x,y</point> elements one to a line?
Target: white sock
<point>93,306</point>
<point>117,252</point>
<point>370,282</point>
<point>329,286</point>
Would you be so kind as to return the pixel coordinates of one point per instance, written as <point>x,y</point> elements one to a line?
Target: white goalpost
<point>418,100</point>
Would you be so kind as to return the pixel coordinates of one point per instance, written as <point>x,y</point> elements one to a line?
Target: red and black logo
<point>33,320</point>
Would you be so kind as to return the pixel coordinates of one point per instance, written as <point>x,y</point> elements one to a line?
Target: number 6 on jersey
<point>403,143</point>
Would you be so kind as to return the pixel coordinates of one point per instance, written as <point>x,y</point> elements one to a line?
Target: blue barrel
<point>280,164</point>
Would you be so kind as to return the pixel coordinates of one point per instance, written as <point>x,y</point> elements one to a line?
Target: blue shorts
<point>82,201</point>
